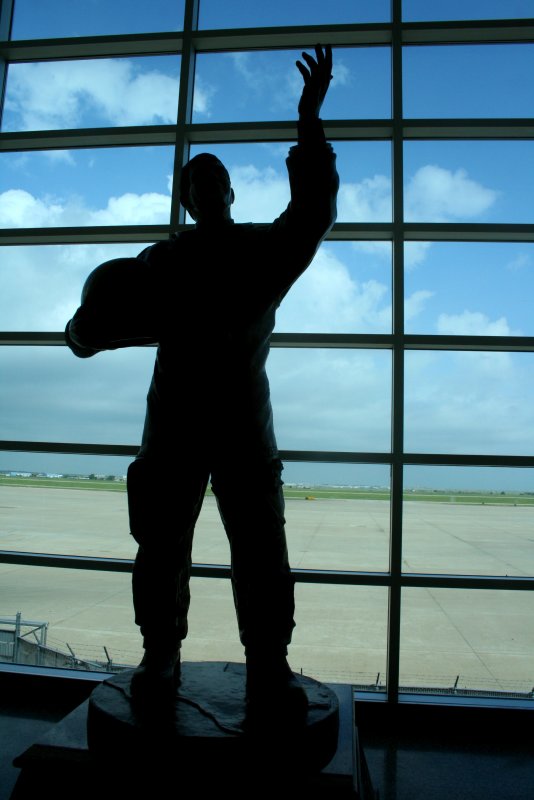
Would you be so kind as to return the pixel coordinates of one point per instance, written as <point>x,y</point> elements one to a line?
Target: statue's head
<point>205,188</point>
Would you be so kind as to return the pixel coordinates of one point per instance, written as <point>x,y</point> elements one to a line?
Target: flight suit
<point>208,298</point>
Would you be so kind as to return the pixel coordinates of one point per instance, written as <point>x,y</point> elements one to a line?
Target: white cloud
<point>261,195</point>
<point>20,209</point>
<point>326,298</point>
<point>367,201</point>
<point>342,75</point>
<point>202,97</point>
<point>381,249</point>
<point>433,193</point>
<point>41,285</point>
<point>134,209</point>
<point>473,323</point>
<point>331,399</point>
<point>518,263</point>
<point>60,156</point>
<point>415,303</point>
<point>415,253</point>
<point>439,195</point>
<point>254,77</point>
<point>56,94</point>
<point>469,402</point>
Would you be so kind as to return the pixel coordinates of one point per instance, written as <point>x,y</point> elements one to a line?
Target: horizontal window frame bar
<point>309,456</point>
<point>69,448</point>
<point>353,341</point>
<point>484,31</point>
<point>406,342</point>
<point>268,131</point>
<point>463,128</point>
<point>87,47</point>
<point>478,128</point>
<point>406,459</point>
<point>309,576</point>
<point>82,138</point>
<point>101,234</point>
<point>270,38</point>
<point>468,232</point>
<point>342,231</point>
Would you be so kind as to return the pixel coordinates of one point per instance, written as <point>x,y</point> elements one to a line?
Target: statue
<point>207,297</point>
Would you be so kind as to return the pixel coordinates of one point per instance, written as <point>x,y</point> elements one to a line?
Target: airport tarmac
<point>483,637</point>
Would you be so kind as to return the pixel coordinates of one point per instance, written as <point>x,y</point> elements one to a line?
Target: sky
<point>323,399</point>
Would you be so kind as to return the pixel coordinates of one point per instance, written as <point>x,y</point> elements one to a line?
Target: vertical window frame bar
<point>185,109</point>
<point>6,24</point>
<point>397,399</point>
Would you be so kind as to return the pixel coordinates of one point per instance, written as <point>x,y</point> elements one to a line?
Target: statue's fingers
<point>303,71</point>
<point>312,64</point>
<point>328,58</point>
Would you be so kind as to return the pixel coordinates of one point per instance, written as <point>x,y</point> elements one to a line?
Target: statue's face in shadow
<point>210,191</point>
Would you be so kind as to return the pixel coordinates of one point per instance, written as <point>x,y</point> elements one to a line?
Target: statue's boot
<point>157,677</point>
<point>273,692</point>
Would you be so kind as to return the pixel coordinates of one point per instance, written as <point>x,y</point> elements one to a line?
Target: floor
<point>449,754</point>
<point>414,753</point>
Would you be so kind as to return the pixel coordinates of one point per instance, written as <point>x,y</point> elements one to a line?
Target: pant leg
<point>164,504</point>
<point>251,505</point>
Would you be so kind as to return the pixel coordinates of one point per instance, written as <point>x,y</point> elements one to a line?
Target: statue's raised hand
<point>317,75</point>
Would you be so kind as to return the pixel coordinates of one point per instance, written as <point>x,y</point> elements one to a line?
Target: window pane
<point>341,634</point>
<point>266,85</point>
<point>103,92</point>
<point>337,516</point>
<point>34,19</point>
<point>331,399</point>
<point>47,394</point>
<point>471,521</point>
<point>484,638</point>
<point>416,10</point>
<point>83,513</point>
<point>469,288</point>
<point>40,286</point>
<point>104,186</point>
<point>365,174</point>
<point>469,402</point>
<point>235,14</point>
<point>478,181</point>
<point>259,178</point>
<point>346,289</point>
<point>85,613</point>
<point>484,72</point>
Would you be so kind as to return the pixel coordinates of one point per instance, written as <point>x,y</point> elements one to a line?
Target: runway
<point>485,639</point>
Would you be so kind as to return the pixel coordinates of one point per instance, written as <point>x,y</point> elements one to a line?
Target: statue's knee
<point>144,503</point>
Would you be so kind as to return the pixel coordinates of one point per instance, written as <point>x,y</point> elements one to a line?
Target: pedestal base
<point>206,731</point>
<point>205,749</point>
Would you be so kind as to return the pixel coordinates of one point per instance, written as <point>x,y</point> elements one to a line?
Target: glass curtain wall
<point>401,366</point>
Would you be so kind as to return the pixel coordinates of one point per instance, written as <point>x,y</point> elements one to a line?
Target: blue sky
<point>333,400</point>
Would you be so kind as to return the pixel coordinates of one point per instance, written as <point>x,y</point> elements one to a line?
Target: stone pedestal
<point>206,732</point>
<point>106,748</point>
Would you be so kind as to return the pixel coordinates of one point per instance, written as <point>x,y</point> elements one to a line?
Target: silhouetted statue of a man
<point>208,298</point>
